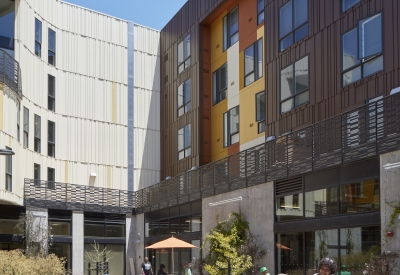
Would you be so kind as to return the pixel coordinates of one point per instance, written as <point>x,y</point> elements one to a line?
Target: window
<point>9,172</point>
<point>231,28</point>
<point>36,174</point>
<point>37,133</point>
<point>260,111</point>
<point>52,47</point>
<point>51,178</point>
<point>26,127</point>
<point>220,84</point>
<point>51,139</point>
<point>293,23</point>
<point>362,50</point>
<point>260,11</point>
<point>18,119</point>
<point>184,142</point>
<point>38,37</point>
<point>231,126</point>
<point>253,63</point>
<point>184,54</point>
<point>294,85</point>
<point>347,4</point>
<point>51,87</point>
<point>184,98</point>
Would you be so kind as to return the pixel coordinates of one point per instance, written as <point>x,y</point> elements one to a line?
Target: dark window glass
<point>294,85</point>
<point>260,11</point>
<point>115,230</point>
<point>359,197</point>
<point>52,48</point>
<point>26,127</point>
<point>362,50</point>
<point>164,227</point>
<point>289,207</point>
<point>231,126</point>
<point>346,4</point>
<point>260,111</point>
<point>8,172</point>
<point>18,125</point>
<point>184,142</point>
<point>62,250</point>
<point>8,226</point>
<point>196,223</point>
<point>293,22</point>
<point>38,37</point>
<point>51,139</point>
<point>51,178</point>
<point>231,28</point>
<point>320,244</point>
<point>174,226</point>
<point>51,87</point>
<point>94,229</point>
<point>185,225</point>
<point>37,133</point>
<point>7,29</point>
<point>323,202</point>
<point>290,253</point>
<point>253,63</point>
<point>184,97</point>
<point>220,84</point>
<point>60,228</point>
<point>36,174</point>
<point>184,54</point>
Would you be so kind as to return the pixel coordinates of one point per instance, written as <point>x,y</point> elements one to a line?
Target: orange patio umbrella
<point>278,245</point>
<point>171,243</point>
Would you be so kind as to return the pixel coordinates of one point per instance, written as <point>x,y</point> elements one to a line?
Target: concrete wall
<point>390,192</point>
<point>257,207</point>
<point>135,244</point>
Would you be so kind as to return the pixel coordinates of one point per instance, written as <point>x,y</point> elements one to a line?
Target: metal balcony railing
<point>361,133</point>
<point>56,195</point>
<point>10,72</point>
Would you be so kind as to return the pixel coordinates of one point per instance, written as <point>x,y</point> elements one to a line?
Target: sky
<point>150,13</point>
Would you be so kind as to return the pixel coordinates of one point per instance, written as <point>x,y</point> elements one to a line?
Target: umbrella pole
<point>173,261</point>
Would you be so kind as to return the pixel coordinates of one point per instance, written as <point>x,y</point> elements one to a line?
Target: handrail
<point>10,72</point>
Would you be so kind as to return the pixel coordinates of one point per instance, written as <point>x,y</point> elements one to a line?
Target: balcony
<point>56,195</point>
<point>10,73</point>
<point>364,132</point>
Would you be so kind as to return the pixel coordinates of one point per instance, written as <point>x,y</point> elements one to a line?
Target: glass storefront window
<point>323,202</point>
<point>290,253</point>
<point>154,228</point>
<point>185,225</point>
<point>320,244</point>
<point>174,226</point>
<point>117,258</point>
<point>196,223</point>
<point>115,230</point>
<point>94,230</point>
<point>62,250</point>
<point>11,246</point>
<point>59,228</point>
<point>359,197</point>
<point>289,207</point>
<point>8,226</point>
<point>164,227</point>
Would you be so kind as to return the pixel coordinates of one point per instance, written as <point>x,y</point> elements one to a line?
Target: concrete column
<point>40,226</point>
<point>77,243</point>
<point>134,243</point>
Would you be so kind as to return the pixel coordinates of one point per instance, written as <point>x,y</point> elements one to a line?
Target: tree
<point>231,242</point>
<point>384,264</point>
<point>98,256</point>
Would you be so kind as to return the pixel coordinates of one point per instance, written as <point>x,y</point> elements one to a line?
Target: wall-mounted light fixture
<point>225,201</point>
<point>391,165</point>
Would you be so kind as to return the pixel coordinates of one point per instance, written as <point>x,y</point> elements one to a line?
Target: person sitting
<point>264,271</point>
<point>326,266</point>
<point>162,271</point>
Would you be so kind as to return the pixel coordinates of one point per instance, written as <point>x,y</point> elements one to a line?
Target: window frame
<point>185,106</point>
<point>26,127</point>
<point>220,91</point>
<point>186,150</point>
<point>294,94</point>
<point>186,54</point>
<point>51,183</point>
<point>260,122</point>
<point>260,12</point>
<point>256,59</point>
<point>51,51</point>
<point>51,126</point>
<point>37,133</point>
<point>38,35</point>
<point>361,61</point>
<point>226,34</point>
<point>293,29</point>
<point>343,5</point>
<point>8,170</point>
<point>51,98</point>
<point>227,127</point>
<point>18,122</point>
<point>36,175</point>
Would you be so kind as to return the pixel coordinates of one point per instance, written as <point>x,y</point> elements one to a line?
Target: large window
<point>231,126</point>
<point>51,178</point>
<point>362,50</point>
<point>18,121</point>
<point>36,174</point>
<point>347,4</point>
<point>220,84</point>
<point>51,88</point>
<point>184,97</point>
<point>253,62</point>
<point>294,85</point>
<point>184,54</point>
<point>358,197</point>
<point>37,133</point>
<point>260,111</point>
<point>52,48</point>
<point>9,172</point>
<point>260,11</point>
<point>51,143</point>
<point>184,142</point>
<point>231,28</point>
<point>26,127</point>
<point>38,37</point>
<point>293,23</point>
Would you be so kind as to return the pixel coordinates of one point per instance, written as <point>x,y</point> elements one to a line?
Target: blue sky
<point>151,13</point>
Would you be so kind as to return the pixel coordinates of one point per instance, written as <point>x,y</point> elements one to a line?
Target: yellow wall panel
<point>217,131</point>
<point>217,47</point>
<point>260,32</point>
